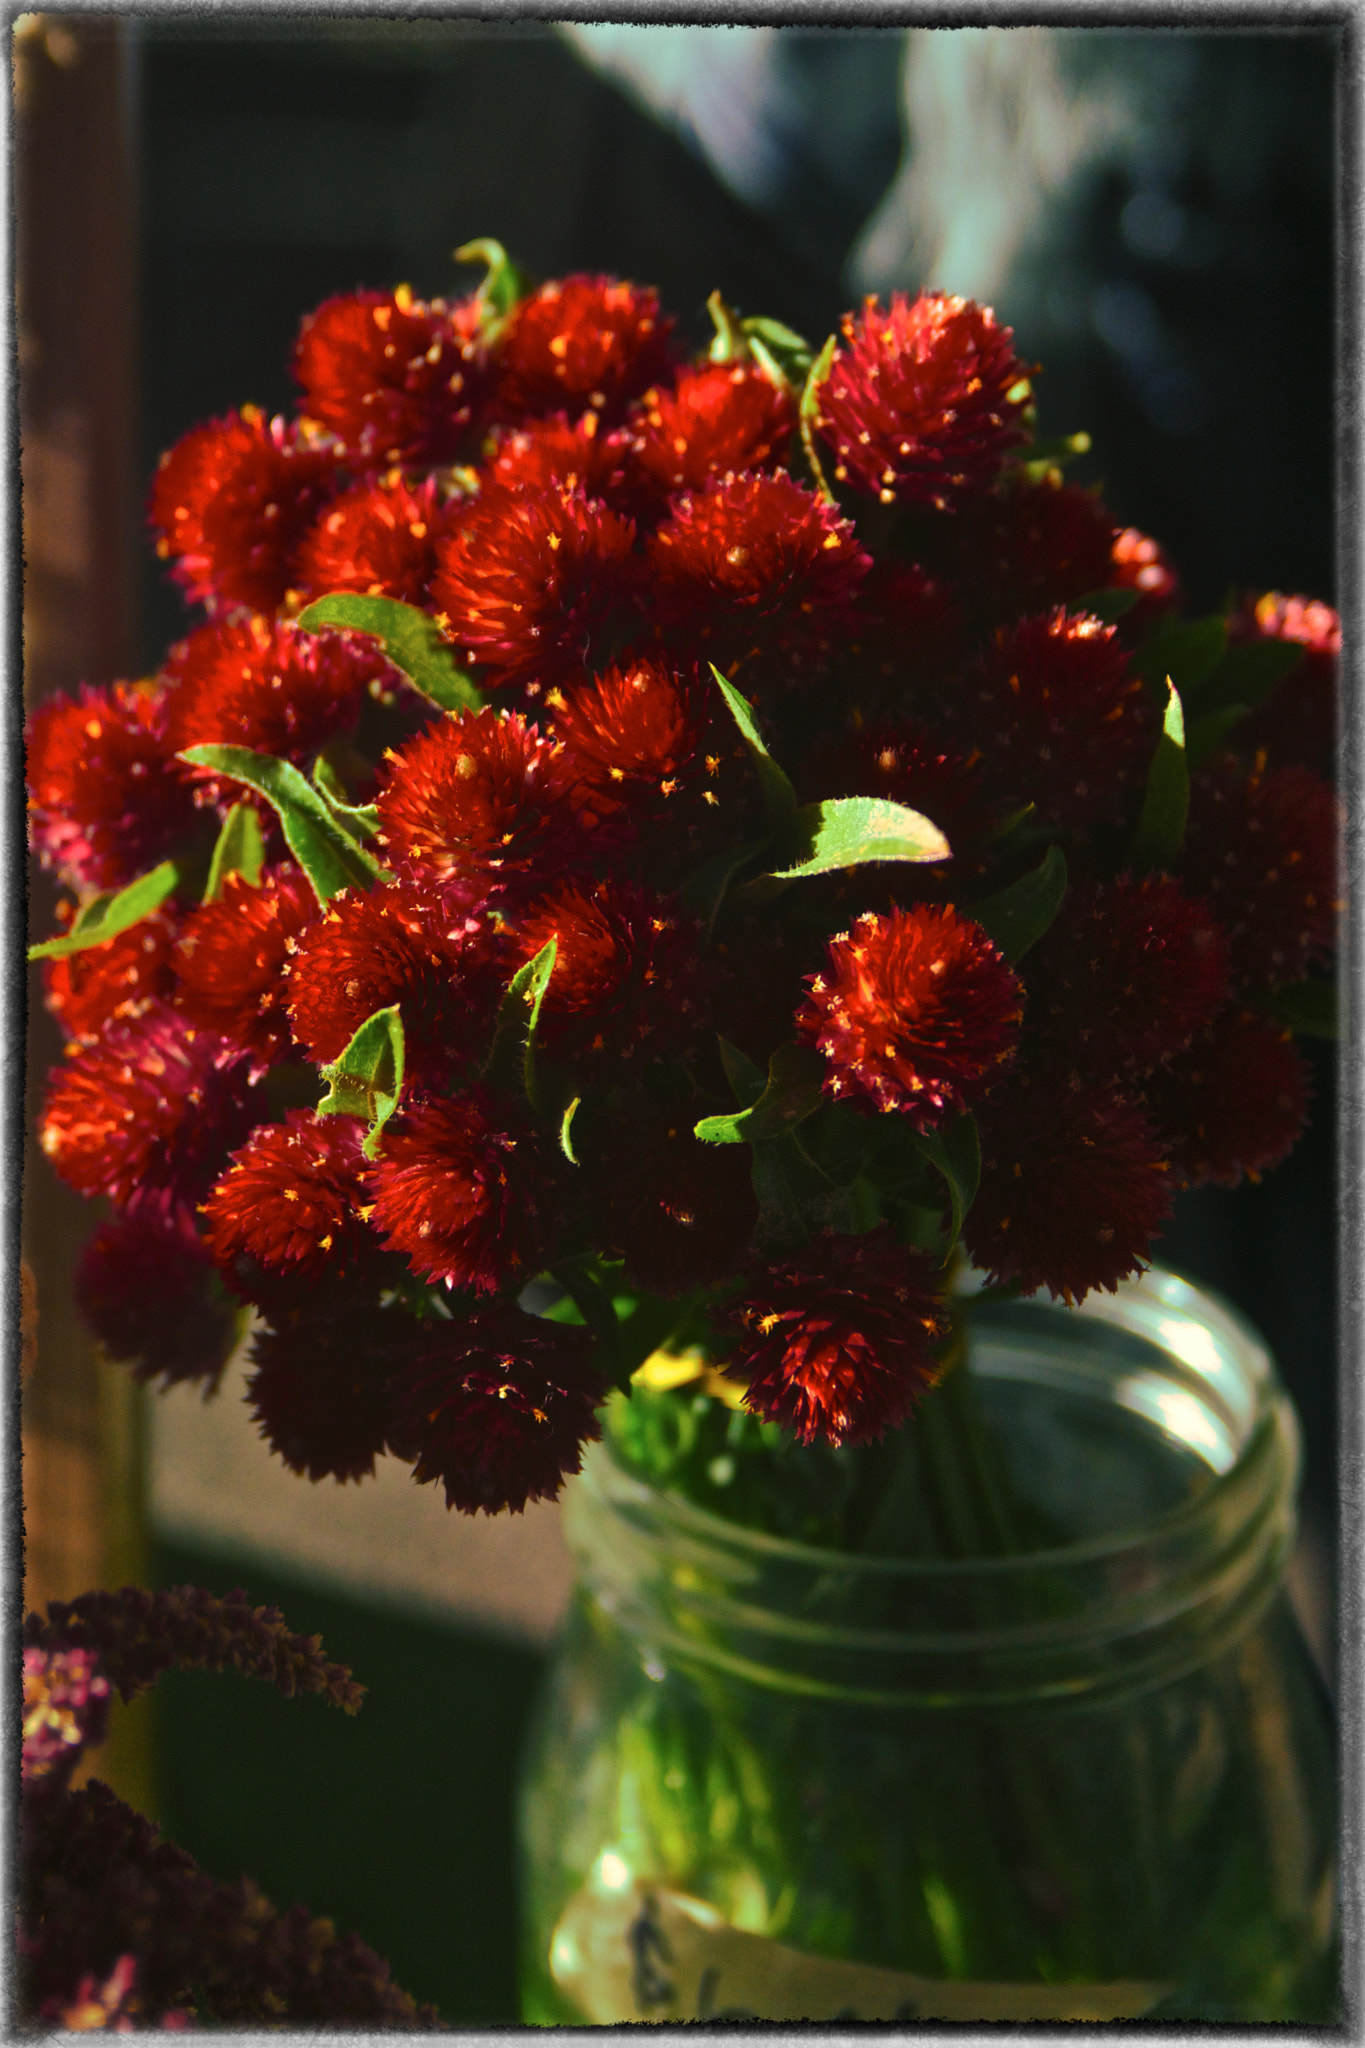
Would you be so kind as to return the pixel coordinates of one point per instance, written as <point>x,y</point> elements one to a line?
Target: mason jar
<point>1091,1782</point>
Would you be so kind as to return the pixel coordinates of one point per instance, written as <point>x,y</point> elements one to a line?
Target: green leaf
<point>324,849</point>
<point>1166,805</point>
<point>794,1196</point>
<point>361,820</point>
<point>367,1078</point>
<point>512,1054</point>
<point>1018,916</point>
<point>505,285</point>
<point>848,831</point>
<point>586,1290</point>
<point>412,640</point>
<point>566,1130</point>
<point>784,357</point>
<point>1205,734</point>
<point>705,889</point>
<point>746,1080</point>
<point>111,913</point>
<point>1182,654</point>
<point>955,1152</point>
<point>728,344</point>
<point>1247,674</point>
<point>795,1088</point>
<point>779,798</point>
<point>809,412</point>
<point>1310,1007</point>
<point>239,850</point>
<point>1111,604</point>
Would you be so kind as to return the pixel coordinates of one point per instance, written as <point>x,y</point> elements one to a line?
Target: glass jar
<point>1092,1782</point>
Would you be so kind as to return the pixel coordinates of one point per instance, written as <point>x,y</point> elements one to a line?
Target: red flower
<point>582,341</point>
<point>394,378</point>
<point>147,1288</point>
<point>1138,563</point>
<point>1235,1102</point>
<point>258,683</point>
<point>525,581</point>
<point>106,799</point>
<point>1069,729</point>
<point>231,959</point>
<point>1029,546</point>
<point>678,1212</point>
<point>379,539</point>
<point>289,1204</point>
<point>719,418</point>
<point>231,502</point>
<point>481,804</point>
<point>1261,849</point>
<point>838,1341</point>
<point>627,970</point>
<point>634,735</point>
<point>462,1190</point>
<point>916,1011</point>
<point>1126,974</point>
<point>118,979</point>
<point>388,945</point>
<point>1073,1188</point>
<point>1297,721</point>
<point>903,639</point>
<point>924,401</point>
<point>497,1408</point>
<point>152,1105</point>
<point>319,1388</point>
<point>553,454</point>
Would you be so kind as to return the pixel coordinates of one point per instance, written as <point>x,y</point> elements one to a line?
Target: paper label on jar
<point>643,1953</point>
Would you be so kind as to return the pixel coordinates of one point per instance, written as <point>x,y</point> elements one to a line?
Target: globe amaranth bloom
<point>497,1408</point>
<point>1262,849</point>
<point>1074,1186</point>
<point>378,539</point>
<point>634,735</point>
<point>916,1011</point>
<point>560,454</point>
<point>718,419</point>
<point>1296,722</point>
<point>837,1343</point>
<point>1232,1103</point>
<point>147,1288</point>
<point>1021,548</point>
<point>1139,563</point>
<point>107,799</point>
<point>463,1189</point>
<point>923,401</point>
<point>289,1204</point>
<point>318,1386</point>
<point>394,378</point>
<point>581,342</point>
<point>231,502</point>
<point>121,978</point>
<point>628,968</point>
<point>231,956</point>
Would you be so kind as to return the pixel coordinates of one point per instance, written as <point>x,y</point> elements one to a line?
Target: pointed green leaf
<point>592,1298</point>
<point>705,889</point>
<point>505,285</point>
<point>1246,674</point>
<point>1205,734</point>
<point>566,1130</point>
<point>111,913</point>
<point>746,1080</point>
<point>1018,916</point>
<point>367,1078</point>
<point>849,831</point>
<point>360,820</point>
<point>1166,805</point>
<point>1309,1007</point>
<point>727,344</point>
<point>809,412</point>
<point>795,1088</point>
<point>779,798</point>
<point>324,849</point>
<point>1182,654</point>
<point>512,1054</point>
<point>1111,604</point>
<point>955,1152</point>
<point>784,357</point>
<point>239,850</point>
<point>412,640</point>
<point>795,1196</point>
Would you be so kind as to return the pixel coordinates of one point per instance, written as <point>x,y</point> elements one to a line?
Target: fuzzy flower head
<point>634,735</point>
<point>289,1205</point>
<point>1233,1103</point>
<point>231,957</point>
<point>837,1343</point>
<point>557,454</point>
<point>66,1705</point>
<point>916,1011</point>
<point>394,378</point>
<point>497,1409</point>
<point>923,401</point>
<point>319,1387</point>
<point>627,969</point>
<point>1297,722</point>
<point>718,419</point>
<point>1022,548</point>
<point>1262,849</point>
<point>378,539</point>
<point>230,504</point>
<point>147,1289</point>
<point>1139,563</point>
<point>107,800</point>
<point>121,978</point>
<point>582,342</point>
<point>462,1189</point>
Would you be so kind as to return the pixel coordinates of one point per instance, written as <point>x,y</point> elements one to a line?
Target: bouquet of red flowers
<point>643,856</point>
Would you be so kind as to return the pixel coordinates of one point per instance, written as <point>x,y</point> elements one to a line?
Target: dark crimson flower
<point>923,401</point>
<point>394,378</point>
<point>462,1189</point>
<point>627,972</point>
<point>1070,729</point>
<point>1234,1102</point>
<point>558,455</point>
<point>916,1011</point>
<point>635,734</point>
<point>231,502</point>
<point>395,944</point>
<point>582,341</point>
<point>525,581</point>
<point>757,553</point>
<point>838,1342</point>
<point>289,1204</point>
<point>260,683</point>
<point>379,539</point>
<point>718,419</point>
<point>678,1212</point>
<point>1074,1186</point>
<point>1126,974</point>
<point>319,1387</point>
<point>497,1408</point>
<point>66,1706</point>
<point>231,959</point>
<point>1262,850</point>
<point>1138,563</point>
<point>151,1105</point>
<point>902,640</point>
<point>1297,721</point>
<point>147,1288</point>
<point>1023,548</point>
<point>118,979</point>
<point>482,805</point>
<point>107,799</point>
